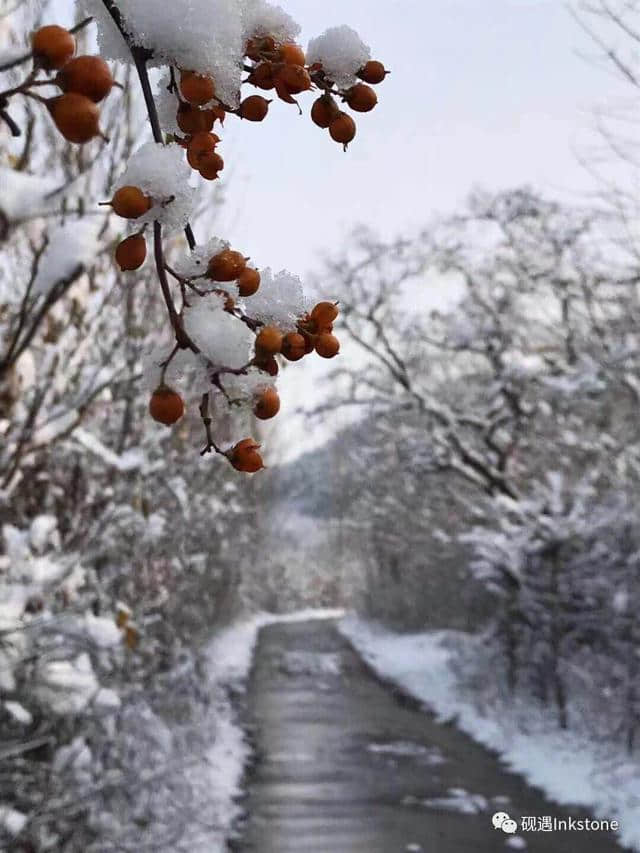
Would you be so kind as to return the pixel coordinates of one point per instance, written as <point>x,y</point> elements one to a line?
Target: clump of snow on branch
<point>264,19</point>
<point>165,101</point>
<point>206,36</point>
<point>280,300</point>
<point>161,172</point>
<point>72,248</point>
<point>67,686</point>
<point>224,340</point>
<point>341,52</point>
<point>25,195</point>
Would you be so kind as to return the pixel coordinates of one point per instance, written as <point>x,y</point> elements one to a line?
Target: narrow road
<point>344,766</point>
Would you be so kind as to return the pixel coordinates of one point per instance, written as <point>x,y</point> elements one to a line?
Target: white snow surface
<point>130,460</point>
<point>568,767</point>
<point>266,19</point>
<point>19,713</point>
<point>71,246</point>
<point>341,52</point>
<point>67,687</point>
<point>222,338</point>
<point>102,631</point>
<point>279,301</point>
<point>44,532</point>
<point>11,820</point>
<point>23,195</point>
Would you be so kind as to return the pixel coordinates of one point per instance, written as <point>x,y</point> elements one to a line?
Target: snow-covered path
<point>345,766</point>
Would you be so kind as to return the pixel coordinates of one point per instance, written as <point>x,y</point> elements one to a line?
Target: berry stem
<point>13,127</point>
<point>206,420</point>
<point>182,338</point>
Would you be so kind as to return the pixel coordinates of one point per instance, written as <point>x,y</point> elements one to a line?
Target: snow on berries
<point>341,53</point>
<point>161,173</point>
<point>279,302</point>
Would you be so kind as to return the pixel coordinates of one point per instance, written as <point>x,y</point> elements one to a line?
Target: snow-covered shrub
<point>564,565</point>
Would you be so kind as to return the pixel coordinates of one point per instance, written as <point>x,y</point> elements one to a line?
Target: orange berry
<point>191,119</point>
<point>269,341</point>
<point>53,46</point>
<point>293,346</point>
<point>327,345</point>
<point>343,128</point>
<point>197,89</point>
<point>211,165</point>
<point>373,72</point>
<point>245,457</point>
<point>254,108</point>
<point>292,54</point>
<point>324,313</point>
<point>131,252</point>
<point>200,144</point>
<point>166,406</point>
<point>226,265</point>
<point>324,110</point>
<point>295,78</point>
<point>361,98</point>
<point>262,76</point>
<point>130,202</point>
<point>76,117</point>
<point>86,75</point>
<point>267,405</point>
<point>248,282</point>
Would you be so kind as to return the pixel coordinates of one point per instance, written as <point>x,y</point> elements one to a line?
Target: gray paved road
<point>343,766</point>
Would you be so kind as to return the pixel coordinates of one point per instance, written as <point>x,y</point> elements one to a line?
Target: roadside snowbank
<point>229,657</point>
<point>571,768</point>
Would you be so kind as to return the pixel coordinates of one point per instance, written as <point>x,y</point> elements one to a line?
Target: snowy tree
<point>512,412</point>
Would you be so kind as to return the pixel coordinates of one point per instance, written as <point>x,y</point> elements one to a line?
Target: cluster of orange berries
<point>84,81</point>
<point>283,68</point>
<point>361,98</point>
<point>196,121</point>
<point>278,67</point>
<point>130,202</point>
<point>314,332</point>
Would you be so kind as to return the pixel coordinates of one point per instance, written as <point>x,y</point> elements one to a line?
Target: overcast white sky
<point>486,93</point>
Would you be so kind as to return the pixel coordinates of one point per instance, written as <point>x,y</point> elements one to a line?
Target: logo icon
<point>501,820</point>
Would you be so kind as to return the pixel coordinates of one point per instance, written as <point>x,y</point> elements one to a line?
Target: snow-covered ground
<point>571,768</point>
<point>229,656</point>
